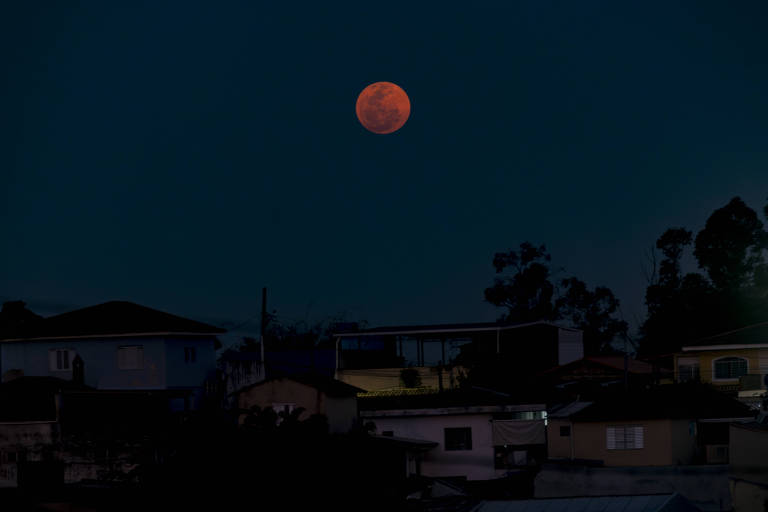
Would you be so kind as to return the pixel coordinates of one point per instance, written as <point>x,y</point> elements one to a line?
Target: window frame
<point>453,446</point>
<point>732,359</point>
<point>190,355</point>
<point>54,361</point>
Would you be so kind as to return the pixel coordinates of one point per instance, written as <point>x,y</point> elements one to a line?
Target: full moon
<point>383,107</point>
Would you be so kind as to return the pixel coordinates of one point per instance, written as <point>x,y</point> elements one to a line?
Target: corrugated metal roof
<point>564,411</point>
<point>653,503</point>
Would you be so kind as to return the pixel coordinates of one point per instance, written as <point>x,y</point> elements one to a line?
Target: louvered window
<point>627,437</point>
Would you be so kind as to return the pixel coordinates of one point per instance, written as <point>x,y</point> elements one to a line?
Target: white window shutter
<point>52,359</point>
<point>610,438</point>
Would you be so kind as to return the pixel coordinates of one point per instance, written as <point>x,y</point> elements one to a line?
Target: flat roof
<point>445,328</point>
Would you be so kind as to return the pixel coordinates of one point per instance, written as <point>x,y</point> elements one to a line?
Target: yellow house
<point>731,361</point>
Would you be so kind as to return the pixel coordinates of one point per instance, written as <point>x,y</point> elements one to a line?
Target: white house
<point>477,439</point>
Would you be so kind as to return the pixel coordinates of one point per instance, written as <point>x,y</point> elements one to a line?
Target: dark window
<point>190,355</point>
<point>388,433</point>
<point>730,368</point>
<point>458,438</point>
<point>565,431</point>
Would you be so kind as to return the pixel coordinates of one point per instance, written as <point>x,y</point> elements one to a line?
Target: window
<point>130,358</point>
<point>283,407</point>
<point>190,356</point>
<point>59,359</point>
<point>730,367</point>
<point>458,439</point>
<point>565,431</point>
<point>628,437</point>
<point>388,433</point>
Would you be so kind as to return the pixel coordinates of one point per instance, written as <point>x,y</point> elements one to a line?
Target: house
<point>315,394</point>
<point>373,359</point>
<point>119,346</point>
<point>668,425</point>
<point>748,476</point>
<point>477,435</point>
<point>734,361</point>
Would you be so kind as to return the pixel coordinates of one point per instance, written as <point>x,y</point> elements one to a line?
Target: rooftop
<point>643,503</point>
<point>470,400</point>
<point>673,401</point>
<point>444,328</point>
<point>756,334</point>
<point>115,318</point>
<point>328,385</point>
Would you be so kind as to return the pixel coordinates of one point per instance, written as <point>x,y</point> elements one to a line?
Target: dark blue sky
<point>183,155</point>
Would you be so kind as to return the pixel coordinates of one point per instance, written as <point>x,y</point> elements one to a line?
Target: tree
<point>732,292</point>
<point>731,246</point>
<point>592,311</point>
<point>529,295</point>
<point>527,292</point>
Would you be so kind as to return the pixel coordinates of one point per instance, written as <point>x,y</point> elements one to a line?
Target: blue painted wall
<point>164,366</point>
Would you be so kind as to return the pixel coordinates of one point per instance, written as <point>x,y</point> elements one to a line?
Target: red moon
<point>383,107</point>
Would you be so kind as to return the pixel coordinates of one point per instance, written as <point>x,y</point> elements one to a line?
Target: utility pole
<point>263,329</point>
<point>626,365</point>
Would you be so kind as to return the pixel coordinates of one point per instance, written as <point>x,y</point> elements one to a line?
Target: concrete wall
<point>705,486</point>
<point>748,452</point>
<point>475,464</point>
<point>666,442</point>
<point>341,412</point>
<point>181,374</point>
<point>558,447</point>
<point>164,364</point>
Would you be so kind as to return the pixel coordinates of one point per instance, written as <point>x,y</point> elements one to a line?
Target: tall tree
<point>592,311</point>
<point>731,293</point>
<point>528,294</point>
<point>731,246</point>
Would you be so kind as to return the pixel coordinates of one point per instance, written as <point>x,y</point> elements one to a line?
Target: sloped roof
<point>115,318</point>
<point>673,401</point>
<point>634,366</point>
<point>328,385</point>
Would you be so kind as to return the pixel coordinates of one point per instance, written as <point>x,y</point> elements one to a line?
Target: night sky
<point>184,154</point>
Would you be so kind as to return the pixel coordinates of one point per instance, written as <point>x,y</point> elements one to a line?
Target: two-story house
<point>734,361</point>
<point>117,346</point>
